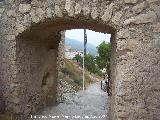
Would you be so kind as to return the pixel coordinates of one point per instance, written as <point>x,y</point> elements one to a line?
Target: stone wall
<point>37,72</point>
<point>61,51</point>
<point>64,91</point>
<point>2,105</point>
<point>28,28</point>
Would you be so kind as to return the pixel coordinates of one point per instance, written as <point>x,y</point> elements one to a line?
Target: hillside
<point>78,45</point>
<point>72,74</point>
<point>70,80</point>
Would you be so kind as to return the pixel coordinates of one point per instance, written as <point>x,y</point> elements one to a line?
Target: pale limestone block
<point>156,28</point>
<point>40,13</point>
<point>23,8</point>
<point>117,18</point>
<point>142,18</point>
<point>27,18</point>
<point>108,13</point>
<point>34,17</point>
<point>10,37</point>
<point>49,12</point>
<point>86,10</point>
<point>11,13</point>
<point>123,33</point>
<point>94,13</point>
<point>152,1</point>
<point>156,9</point>
<point>2,10</point>
<point>20,28</point>
<point>130,1</point>
<point>69,7</point>
<point>78,8</point>
<point>138,8</point>
<point>58,11</point>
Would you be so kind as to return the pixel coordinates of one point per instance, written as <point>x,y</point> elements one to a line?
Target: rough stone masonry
<point>30,32</point>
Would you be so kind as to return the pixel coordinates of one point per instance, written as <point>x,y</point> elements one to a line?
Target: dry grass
<point>72,74</point>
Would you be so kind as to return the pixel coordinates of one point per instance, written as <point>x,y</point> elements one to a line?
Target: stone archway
<point>37,50</point>
<point>29,41</point>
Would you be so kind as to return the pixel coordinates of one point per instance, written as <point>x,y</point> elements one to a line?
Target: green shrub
<point>77,80</point>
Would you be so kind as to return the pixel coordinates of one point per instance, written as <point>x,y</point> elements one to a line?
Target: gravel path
<point>90,104</point>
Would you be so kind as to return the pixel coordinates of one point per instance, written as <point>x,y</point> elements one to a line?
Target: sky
<point>95,38</point>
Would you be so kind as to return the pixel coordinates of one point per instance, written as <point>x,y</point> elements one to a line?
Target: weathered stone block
<point>20,28</point>
<point>23,8</point>
<point>69,7</point>
<point>156,9</point>
<point>58,11</point>
<point>149,17</point>
<point>94,13</point>
<point>138,8</point>
<point>152,1</point>
<point>34,17</point>
<point>86,10</point>
<point>117,18</point>
<point>78,8</point>
<point>123,33</point>
<point>40,13</point>
<point>11,13</point>
<point>49,12</point>
<point>108,13</point>
<point>2,10</point>
<point>10,37</point>
<point>130,1</point>
<point>156,28</point>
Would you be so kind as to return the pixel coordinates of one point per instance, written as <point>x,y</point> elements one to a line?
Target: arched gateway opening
<point>40,54</point>
<point>30,33</point>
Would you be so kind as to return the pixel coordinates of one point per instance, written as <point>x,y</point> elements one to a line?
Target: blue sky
<point>93,37</point>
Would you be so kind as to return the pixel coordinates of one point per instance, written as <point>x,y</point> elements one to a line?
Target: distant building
<point>71,55</point>
<point>68,48</point>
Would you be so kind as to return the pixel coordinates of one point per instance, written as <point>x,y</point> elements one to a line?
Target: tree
<point>103,61</point>
<point>79,59</point>
<point>103,58</point>
<point>89,62</point>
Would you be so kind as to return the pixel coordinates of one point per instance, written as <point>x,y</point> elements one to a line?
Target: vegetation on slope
<point>72,74</point>
<point>72,70</point>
